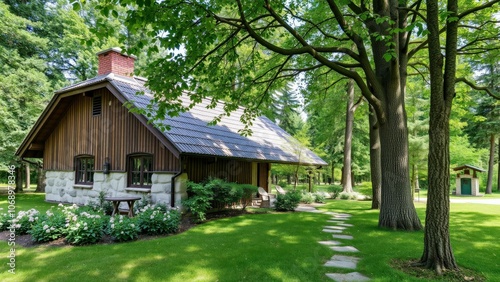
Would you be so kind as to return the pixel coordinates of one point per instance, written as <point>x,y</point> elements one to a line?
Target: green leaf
<point>387,57</point>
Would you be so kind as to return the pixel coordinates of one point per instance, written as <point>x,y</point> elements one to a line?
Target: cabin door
<point>262,176</point>
<point>466,186</point>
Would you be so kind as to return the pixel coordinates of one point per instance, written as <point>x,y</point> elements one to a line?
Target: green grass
<point>259,247</point>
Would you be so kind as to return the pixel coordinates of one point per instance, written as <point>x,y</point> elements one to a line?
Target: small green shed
<point>467,183</point>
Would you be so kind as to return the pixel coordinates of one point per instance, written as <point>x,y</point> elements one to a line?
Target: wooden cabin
<point>91,144</point>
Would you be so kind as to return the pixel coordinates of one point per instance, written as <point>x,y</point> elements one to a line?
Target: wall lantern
<point>106,167</point>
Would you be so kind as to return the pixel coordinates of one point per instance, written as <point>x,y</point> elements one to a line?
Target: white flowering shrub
<point>307,198</point>
<point>4,221</point>
<point>156,220</point>
<point>349,196</point>
<point>24,221</point>
<point>123,228</point>
<point>84,228</point>
<point>49,226</point>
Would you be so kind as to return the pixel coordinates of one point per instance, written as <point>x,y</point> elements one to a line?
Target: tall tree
<point>317,35</point>
<point>25,87</point>
<point>438,253</point>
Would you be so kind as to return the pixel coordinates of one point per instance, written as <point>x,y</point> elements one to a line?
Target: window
<point>96,105</point>
<point>140,170</point>
<point>84,170</point>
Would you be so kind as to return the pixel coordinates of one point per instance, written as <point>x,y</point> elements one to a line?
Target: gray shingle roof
<point>191,134</point>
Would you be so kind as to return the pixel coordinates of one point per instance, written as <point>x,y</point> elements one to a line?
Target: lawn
<point>258,247</point>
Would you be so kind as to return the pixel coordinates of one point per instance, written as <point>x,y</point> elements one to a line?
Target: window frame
<point>144,174</point>
<point>85,172</point>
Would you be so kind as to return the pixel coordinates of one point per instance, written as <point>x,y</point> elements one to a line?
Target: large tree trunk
<point>491,163</point>
<point>375,170</point>
<point>396,210</point>
<point>438,254</point>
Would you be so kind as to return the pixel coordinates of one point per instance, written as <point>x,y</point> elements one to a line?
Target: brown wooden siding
<point>114,133</point>
<point>199,169</point>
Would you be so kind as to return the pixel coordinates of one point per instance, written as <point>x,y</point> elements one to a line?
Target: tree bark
<point>438,254</point>
<point>396,210</point>
<point>375,170</point>
<point>491,163</point>
<point>349,123</point>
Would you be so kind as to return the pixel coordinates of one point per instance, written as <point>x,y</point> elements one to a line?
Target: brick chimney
<point>113,61</point>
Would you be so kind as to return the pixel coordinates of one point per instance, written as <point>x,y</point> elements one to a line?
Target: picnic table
<point>116,203</point>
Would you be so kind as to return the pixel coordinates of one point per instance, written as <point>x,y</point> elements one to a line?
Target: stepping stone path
<point>338,260</point>
<point>342,262</point>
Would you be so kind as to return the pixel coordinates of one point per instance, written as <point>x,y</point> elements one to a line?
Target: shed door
<point>466,186</point>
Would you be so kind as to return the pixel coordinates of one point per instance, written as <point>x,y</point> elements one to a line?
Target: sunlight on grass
<point>262,247</point>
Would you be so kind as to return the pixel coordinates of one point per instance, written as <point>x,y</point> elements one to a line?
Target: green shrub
<point>24,221</point>
<point>198,201</point>
<point>49,227</point>
<point>283,184</point>
<point>334,190</point>
<point>85,228</point>
<point>122,228</point>
<point>156,220</point>
<point>307,198</point>
<point>247,193</point>
<point>319,197</point>
<point>288,202</point>
<point>225,194</point>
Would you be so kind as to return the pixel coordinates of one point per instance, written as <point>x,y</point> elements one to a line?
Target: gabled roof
<point>189,132</point>
<point>470,167</point>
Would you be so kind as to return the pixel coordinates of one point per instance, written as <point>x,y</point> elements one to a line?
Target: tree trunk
<point>415,187</point>
<point>19,178</point>
<point>28,177</point>
<point>491,163</point>
<point>40,184</point>
<point>349,123</point>
<point>396,210</point>
<point>376,173</point>
<point>333,174</point>
<point>498,163</point>
<point>438,254</point>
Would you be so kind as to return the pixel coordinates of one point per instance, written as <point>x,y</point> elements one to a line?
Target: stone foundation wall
<point>61,187</point>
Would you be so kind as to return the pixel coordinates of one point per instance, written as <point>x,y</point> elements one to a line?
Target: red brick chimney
<point>113,61</point>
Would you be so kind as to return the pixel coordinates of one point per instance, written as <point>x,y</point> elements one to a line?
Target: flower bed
<point>83,225</point>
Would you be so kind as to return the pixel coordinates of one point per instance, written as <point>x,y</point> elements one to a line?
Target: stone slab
<point>340,261</point>
<point>331,213</point>
<point>308,209</point>
<point>347,277</point>
<point>346,224</point>
<point>330,243</point>
<point>343,215</point>
<point>345,249</point>
<point>340,218</point>
<point>332,231</point>
<point>335,227</point>
<point>339,236</point>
